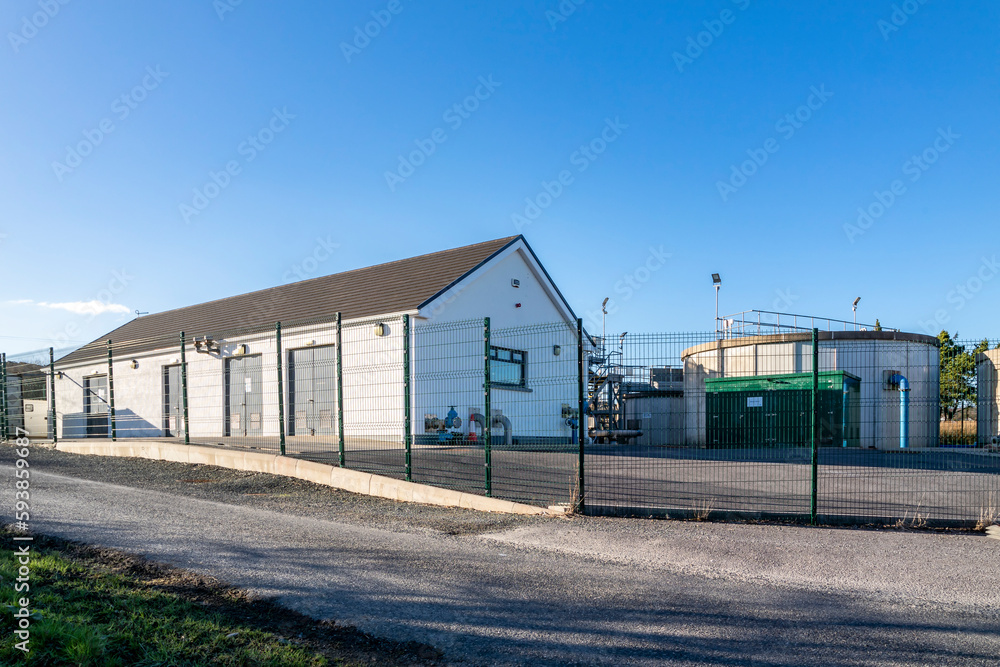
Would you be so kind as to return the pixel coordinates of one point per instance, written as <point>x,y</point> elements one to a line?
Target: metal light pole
<point>854,307</point>
<point>717,281</point>
<point>604,326</point>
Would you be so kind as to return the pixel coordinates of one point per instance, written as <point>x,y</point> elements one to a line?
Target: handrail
<point>753,322</point>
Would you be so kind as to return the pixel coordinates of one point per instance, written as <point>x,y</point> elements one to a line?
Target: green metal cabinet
<point>775,410</point>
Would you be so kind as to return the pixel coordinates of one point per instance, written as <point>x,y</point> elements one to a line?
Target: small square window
<point>507,367</point>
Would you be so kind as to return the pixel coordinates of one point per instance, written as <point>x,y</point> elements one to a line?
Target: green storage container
<point>775,410</point>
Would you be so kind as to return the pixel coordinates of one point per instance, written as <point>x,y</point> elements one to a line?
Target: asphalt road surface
<point>541,592</point>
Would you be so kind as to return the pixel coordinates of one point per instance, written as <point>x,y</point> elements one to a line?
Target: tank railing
<point>762,322</point>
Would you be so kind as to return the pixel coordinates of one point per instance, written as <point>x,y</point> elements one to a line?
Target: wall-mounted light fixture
<point>134,364</point>
<point>514,282</point>
<point>59,375</point>
<point>310,342</point>
<point>241,350</point>
<point>380,329</point>
<point>556,350</point>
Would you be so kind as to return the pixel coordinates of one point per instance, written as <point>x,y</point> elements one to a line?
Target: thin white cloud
<point>87,307</point>
<point>19,302</point>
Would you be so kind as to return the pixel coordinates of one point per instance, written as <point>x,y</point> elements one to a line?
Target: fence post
<point>814,423</point>
<point>52,396</point>
<point>3,396</point>
<point>184,392</point>
<point>281,392</point>
<point>340,396</point>
<point>487,410</point>
<point>407,428</point>
<point>111,393</point>
<point>581,416</point>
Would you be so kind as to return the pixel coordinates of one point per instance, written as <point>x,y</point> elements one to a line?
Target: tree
<point>958,374</point>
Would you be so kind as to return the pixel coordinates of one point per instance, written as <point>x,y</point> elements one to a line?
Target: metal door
<point>95,406</point>
<point>15,405</point>
<point>244,396</point>
<point>173,417</point>
<point>312,390</point>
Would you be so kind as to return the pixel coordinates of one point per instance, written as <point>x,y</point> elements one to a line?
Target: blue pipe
<point>843,412</point>
<point>904,409</point>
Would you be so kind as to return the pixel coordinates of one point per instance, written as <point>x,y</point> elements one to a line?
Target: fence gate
<point>244,397</point>
<point>312,390</point>
<point>173,419</point>
<point>95,406</point>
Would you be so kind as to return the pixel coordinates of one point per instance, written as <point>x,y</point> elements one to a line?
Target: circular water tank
<point>988,397</point>
<point>872,356</point>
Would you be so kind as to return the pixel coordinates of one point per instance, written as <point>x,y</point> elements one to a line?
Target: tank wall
<point>988,396</point>
<point>867,359</point>
<point>880,404</point>
<point>661,419</point>
<point>743,360</point>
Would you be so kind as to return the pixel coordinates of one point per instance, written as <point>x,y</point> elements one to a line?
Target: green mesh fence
<point>862,427</point>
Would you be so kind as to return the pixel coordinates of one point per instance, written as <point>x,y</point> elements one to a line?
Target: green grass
<point>90,615</point>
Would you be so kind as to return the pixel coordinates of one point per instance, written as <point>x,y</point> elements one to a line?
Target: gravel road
<point>489,589</point>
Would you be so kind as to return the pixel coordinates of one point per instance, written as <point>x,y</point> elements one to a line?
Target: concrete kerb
<point>258,462</point>
<point>351,480</point>
<point>310,471</point>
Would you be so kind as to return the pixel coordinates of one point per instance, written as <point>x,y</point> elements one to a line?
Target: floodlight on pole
<point>854,307</point>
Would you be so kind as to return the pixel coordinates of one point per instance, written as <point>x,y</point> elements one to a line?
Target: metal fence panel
<point>886,428</point>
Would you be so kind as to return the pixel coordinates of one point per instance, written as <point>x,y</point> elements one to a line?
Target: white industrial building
<point>232,360</point>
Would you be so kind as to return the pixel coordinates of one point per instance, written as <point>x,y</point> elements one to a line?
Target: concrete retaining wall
<point>318,473</point>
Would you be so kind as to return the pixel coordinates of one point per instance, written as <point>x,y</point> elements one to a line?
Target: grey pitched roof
<point>393,287</point>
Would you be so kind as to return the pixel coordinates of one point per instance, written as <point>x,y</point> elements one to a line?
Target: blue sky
<point>158,156</point>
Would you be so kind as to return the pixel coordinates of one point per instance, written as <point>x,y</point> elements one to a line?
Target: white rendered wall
<point>457,378</point>
<point>446,366</point>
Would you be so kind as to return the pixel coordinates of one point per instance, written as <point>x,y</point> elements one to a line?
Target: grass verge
<point>98,606</point>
